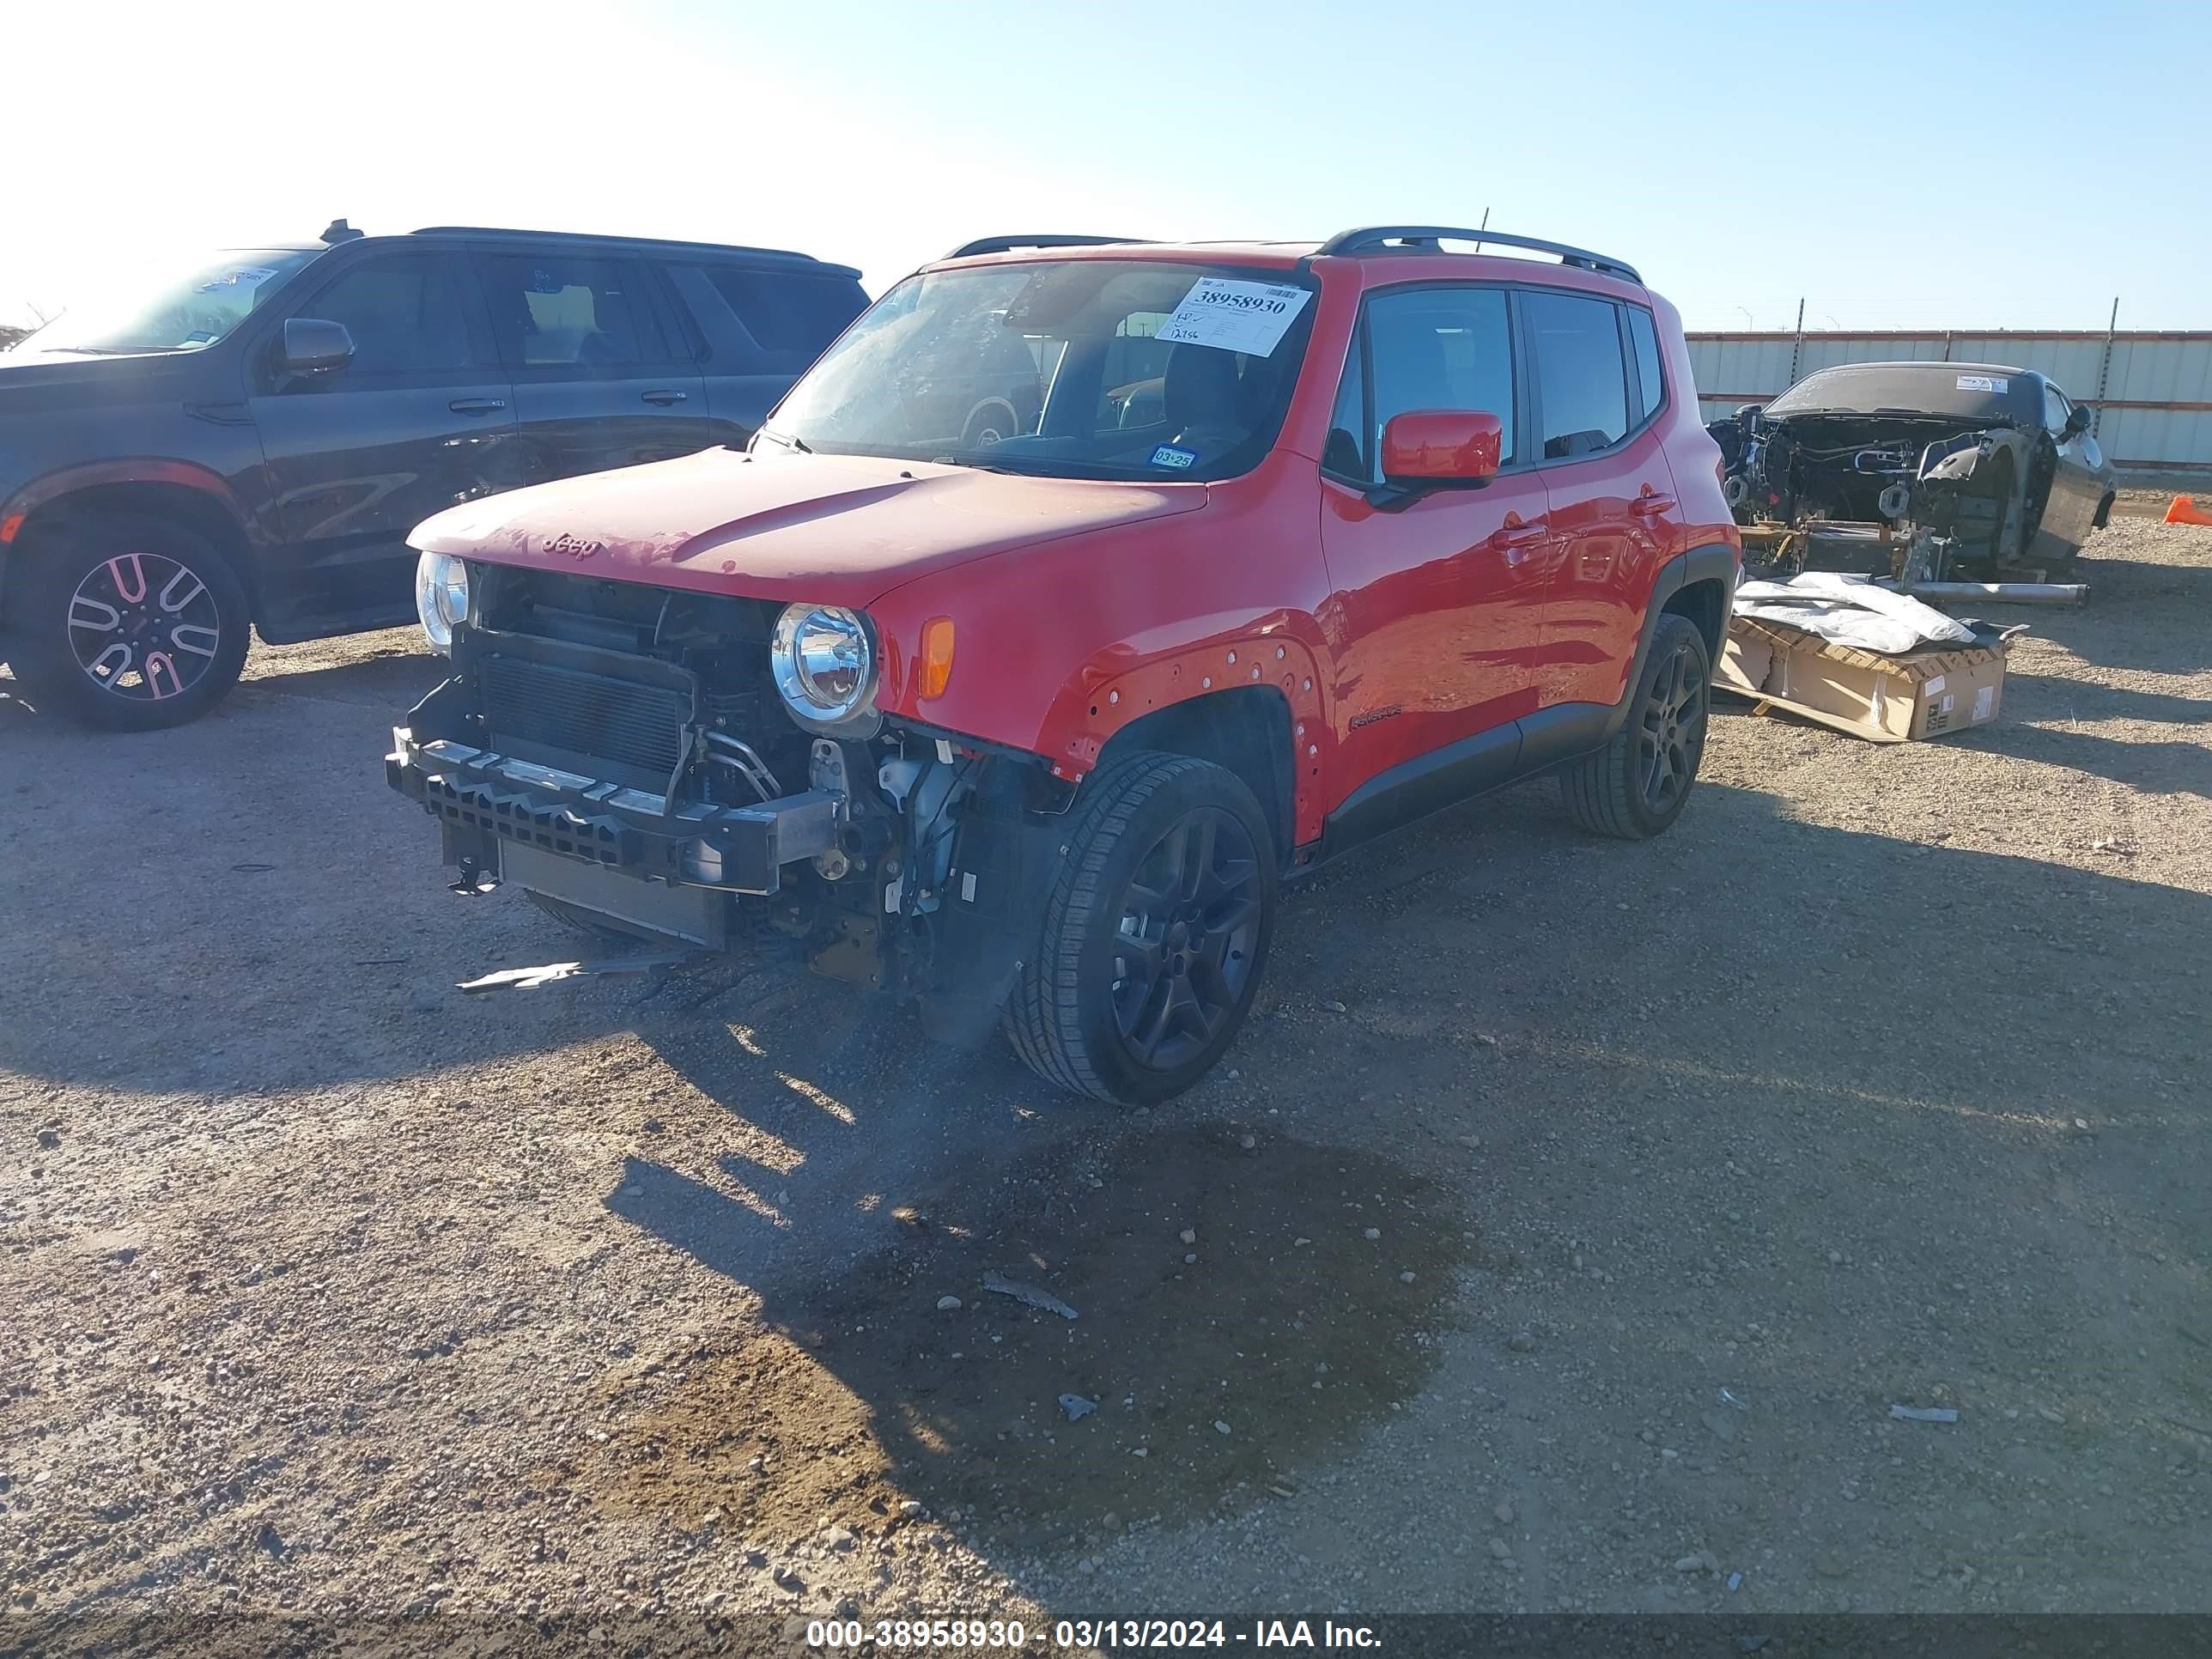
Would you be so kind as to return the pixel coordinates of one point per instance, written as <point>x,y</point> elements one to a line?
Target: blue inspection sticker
<point>1180,459</point>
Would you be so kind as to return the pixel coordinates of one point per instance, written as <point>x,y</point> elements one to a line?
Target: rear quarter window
<point>1650,382</point>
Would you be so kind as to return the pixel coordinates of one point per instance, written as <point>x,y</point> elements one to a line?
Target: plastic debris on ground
<point>1028,1295</point>
<point>1076,1407</point>
<point>1924,1414</point>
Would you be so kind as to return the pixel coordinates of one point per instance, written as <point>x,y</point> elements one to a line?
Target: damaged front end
<point>1893,493</point>
<point>622,754</point>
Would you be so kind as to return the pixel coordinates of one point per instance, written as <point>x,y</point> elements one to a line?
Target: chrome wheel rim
<point>143,626</point>
<point>1184,947</point>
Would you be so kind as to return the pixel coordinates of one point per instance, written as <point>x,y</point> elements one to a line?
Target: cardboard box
<point>1921,694</point>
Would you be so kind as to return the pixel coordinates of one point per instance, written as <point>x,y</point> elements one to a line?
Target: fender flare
<point>49,488</point>
<point>1717,562</point>
<point>1278,653</point>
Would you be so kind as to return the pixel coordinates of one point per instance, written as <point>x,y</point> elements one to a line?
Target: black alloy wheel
<point>1672,736</point>
<point>1638,784</point>
<point>1183,951</point>
<point>1154,932</point>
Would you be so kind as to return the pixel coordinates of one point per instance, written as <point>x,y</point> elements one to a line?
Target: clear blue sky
<point>1934,171</point>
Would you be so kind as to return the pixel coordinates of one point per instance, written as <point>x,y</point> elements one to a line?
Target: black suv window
<point>1650,382</point>
<point>1428,347</point>
<point>554,309</point>
<point>1582,385</point>
<point>403,310</point>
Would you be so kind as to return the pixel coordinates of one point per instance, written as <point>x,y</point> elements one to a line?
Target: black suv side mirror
<point>314,345</point>
<point>2077,421</point>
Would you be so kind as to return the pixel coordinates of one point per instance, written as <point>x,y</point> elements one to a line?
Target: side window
<point>554,309</point>
<point>1650,383</point>
<point>1436,348</point>
<point>791,315</point>
<point>1582,386</point>
<point>404,312</point>
<point>2055,409</point>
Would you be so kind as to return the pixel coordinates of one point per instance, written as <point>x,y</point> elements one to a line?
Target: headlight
<point>824,665</point>
<point>441,598</point>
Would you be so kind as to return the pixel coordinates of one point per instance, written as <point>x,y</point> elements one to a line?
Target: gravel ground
<point>1573,1217</point>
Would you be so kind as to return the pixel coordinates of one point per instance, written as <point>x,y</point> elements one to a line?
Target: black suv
<point>251,444</point>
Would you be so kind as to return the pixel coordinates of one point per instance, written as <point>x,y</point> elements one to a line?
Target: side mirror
<point>2077,421</point>
<point>314,345</point>
<point>1442,446</point>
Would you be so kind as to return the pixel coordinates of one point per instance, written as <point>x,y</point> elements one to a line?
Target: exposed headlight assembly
<point>825,665</point>
<point>441,598</point>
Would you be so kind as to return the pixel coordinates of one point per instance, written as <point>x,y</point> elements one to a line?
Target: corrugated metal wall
<point>2155,412</point>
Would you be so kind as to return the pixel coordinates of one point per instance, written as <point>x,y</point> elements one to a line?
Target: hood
<point>71,376</point>
<point>830,528</point>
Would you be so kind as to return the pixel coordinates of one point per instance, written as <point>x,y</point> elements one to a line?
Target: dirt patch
<point>1234,1317</point>
<point>1880,1080</point>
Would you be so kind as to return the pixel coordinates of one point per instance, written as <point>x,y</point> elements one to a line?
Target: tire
<point>990,422</point>
<point>124,623</point>
<point>1638,784</point>
<point>1136,1018</point>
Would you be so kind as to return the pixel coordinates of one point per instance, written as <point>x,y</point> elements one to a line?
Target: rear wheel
<point>1155,935</point>
<point>1639,783</point>
<point>126,623</point>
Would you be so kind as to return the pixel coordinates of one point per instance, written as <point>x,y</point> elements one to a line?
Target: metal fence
<point>2150,391</point>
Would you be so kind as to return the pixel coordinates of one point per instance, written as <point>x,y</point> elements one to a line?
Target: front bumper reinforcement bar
<point>730,849</point>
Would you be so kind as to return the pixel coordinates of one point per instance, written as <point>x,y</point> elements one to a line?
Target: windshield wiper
<point>787,440</point>
<point>980,466</point>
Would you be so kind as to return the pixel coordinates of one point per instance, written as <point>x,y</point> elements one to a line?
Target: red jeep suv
<point>1083,593</point>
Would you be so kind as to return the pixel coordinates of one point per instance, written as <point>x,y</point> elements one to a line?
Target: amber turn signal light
<point>936,666</point>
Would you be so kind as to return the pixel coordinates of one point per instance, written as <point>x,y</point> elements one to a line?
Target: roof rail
<point>503,231</point>
<point>1377,239</point>
<point>1008,244</point>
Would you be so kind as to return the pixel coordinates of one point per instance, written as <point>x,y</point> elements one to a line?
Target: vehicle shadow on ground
<point>395,678</point>
<point>2158,769</point>
<point>1563,1007</point>
<point>241,903</point>
<point>2052,697</point>
<point>2108,630</point>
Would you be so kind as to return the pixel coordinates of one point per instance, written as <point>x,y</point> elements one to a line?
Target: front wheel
<point>1154,936</point>
<point>126,623</point>
<point>1636,785</point>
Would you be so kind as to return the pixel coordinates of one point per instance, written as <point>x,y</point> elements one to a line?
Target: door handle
<point>1651,507</point>
<point>1518,535</point>
<point>477,405</point>
<point>663,397</point>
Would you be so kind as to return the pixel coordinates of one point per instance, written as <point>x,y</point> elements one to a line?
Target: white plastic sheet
<point>1851,610</point>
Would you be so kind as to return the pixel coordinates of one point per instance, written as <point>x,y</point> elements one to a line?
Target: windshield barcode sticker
<point>1248,317</point>
<point>1983,382</point>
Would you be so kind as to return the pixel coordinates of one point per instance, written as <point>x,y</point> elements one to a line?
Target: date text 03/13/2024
<point>1086,1634</point>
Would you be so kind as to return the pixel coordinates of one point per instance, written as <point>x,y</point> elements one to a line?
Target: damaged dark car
<point>1920,470</point>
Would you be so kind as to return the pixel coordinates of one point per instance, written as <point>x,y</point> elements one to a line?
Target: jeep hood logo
<point>574,547</point>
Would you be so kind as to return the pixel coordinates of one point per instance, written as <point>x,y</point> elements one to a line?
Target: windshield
<point>1972,392</point>
<point>1091,369</point>
<point>181,313</point>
